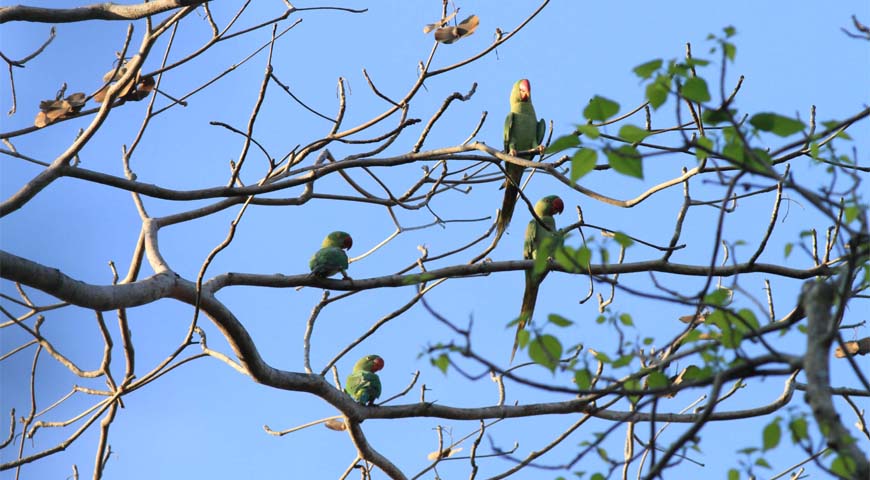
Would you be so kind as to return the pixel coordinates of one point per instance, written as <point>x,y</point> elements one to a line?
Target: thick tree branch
<point>97,11</point>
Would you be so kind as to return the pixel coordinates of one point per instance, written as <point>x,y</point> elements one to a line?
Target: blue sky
<point>205,419</point>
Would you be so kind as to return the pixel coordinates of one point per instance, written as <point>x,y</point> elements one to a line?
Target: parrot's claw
<point>541,150</point>
<point>513,152</point>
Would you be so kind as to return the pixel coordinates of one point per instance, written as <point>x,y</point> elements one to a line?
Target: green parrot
<point>363,385</point>
<point>536,233</point>
<point>331,258</point>
<point>522,131</point>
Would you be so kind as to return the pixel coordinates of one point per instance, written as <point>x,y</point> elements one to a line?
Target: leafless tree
<point>740,158</point>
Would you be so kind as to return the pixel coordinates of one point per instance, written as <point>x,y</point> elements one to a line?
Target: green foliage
<point>626,320</point>
<point>657,91</point>
<point>798,428</point>
<point>559,320</point>
<point>707,144</point>
<point>583,162</point>
<point>844,466</point>
<point>623,239</point>
<point>600,109</point>
<point>646,70</point>
<point>441,362</point>
<point>583,379</point>
<point>771,435</point>
<point>591,131</point>
<point>546,350</point>
<point>657,379</point>
<point>776,124</point>
<point>626,160</point>
<point>623,361</point>
<point>718,297</point>
<point>523,337</point>
<point>695,89</point>
<point>632,133</point>
<point>733,474</point>
<point>563,143</point>
<point>830,124</point>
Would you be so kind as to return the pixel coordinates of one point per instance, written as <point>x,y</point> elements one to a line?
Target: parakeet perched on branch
<point>331,258</point>
<point>522,131</point>
<point>363,385</point>
<point>536,236</point>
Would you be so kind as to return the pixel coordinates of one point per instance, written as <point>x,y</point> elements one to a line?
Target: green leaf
<point>626,320</point>
<point>798,429</point>
<point>697,62</point>
<point>657,92</point>
<point>623,239</point>
<point>583,256</point>
<point>718,297</point>
<point>657,380</point>
<point>844,466</point>
<point>562,143</point>
<point>602,357</point>
<point>583,162</point>
<point>694,373</point>
<point>771,434</point>
<point>626,160</point>
<point>633,385</point>
<point>833,124</point>
<point>730,31</point>
<point>646,70</point>
<point>776,124</point>
<point>583,379</point>
<point>851,213</point>
<point>597,476</point>
<point>788,248</point>
<point>600,109</point>
<point>731,336</point>
<point>747,450</point>
<point>559,320</point>
<point>695,89</point>
<point>762,463</point>
<point>733,474</point>
<point>442,362</point>
<point>623,361</point>
<point>730,50</point>
<point>704,144</point>
<point>591,131</point>
<point>546,350</point>
<point>748,322</point>
<point>714,117</point>
<point>523,338</point>
<point>633,134</point>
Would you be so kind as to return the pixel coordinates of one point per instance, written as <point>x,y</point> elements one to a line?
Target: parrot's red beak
<point>558,205</point>
<point>525,90</point>
<point>377,364</point>
<point>348,242</point>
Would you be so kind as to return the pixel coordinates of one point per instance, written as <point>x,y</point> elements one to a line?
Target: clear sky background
<point>204,420</point>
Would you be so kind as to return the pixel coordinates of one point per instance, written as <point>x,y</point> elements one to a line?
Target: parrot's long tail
<point>511,192</point>
<point>530,297</point>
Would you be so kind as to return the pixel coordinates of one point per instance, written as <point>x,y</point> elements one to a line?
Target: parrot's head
<point>369,363</point>
<point>338,239</point>
<point>522,91</point>
<point>549,206</point>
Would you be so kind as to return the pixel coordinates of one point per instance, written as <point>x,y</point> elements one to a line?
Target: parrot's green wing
<point>328,261</point>
<point>542,130</point>
<point>364,387</point>
<point>508,123</point>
